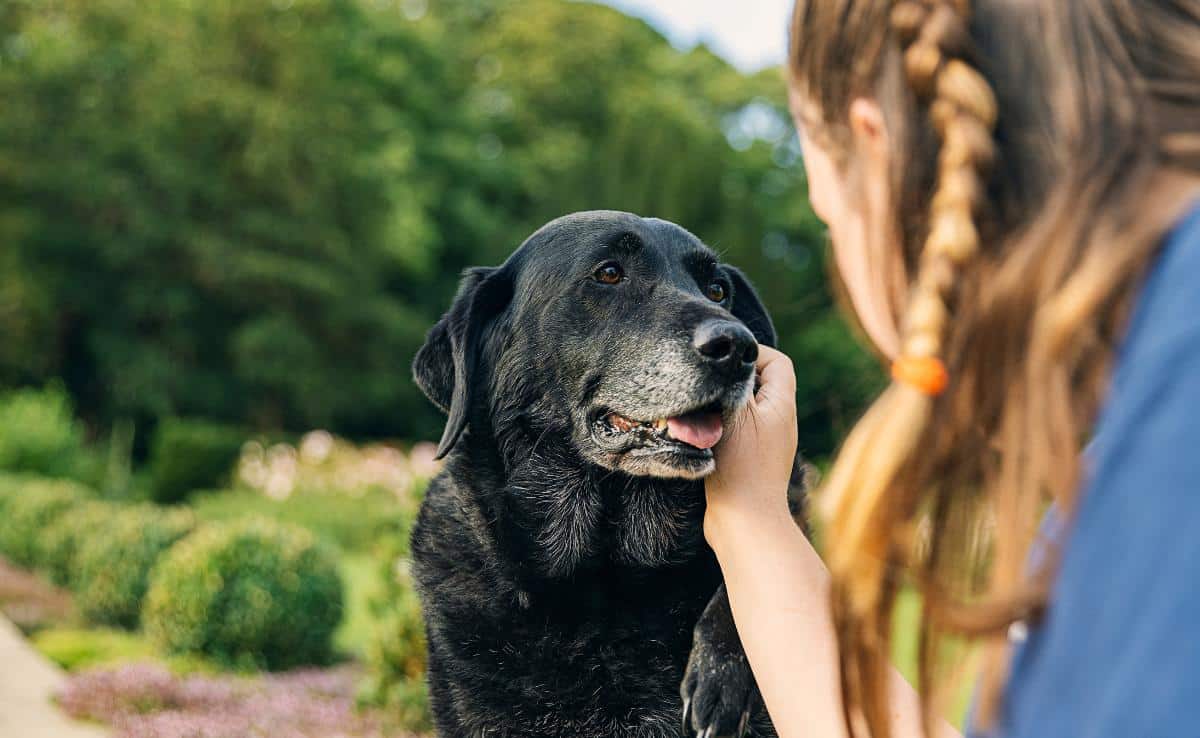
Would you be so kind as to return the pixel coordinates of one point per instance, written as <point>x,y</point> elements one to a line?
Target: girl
<point>1012,189</point>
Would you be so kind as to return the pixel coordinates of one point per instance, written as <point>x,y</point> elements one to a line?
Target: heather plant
<point>250,592</point>
<point>145,701</point>
<point>114,568</point>
<point>32,505</point>
<point>108,694</point>
<point>29,602</point>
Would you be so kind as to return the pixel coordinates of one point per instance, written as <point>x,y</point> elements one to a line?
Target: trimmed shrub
<point>250,592</point>
<point>39,434</point>
<point>10,486</point>
<point>114,569</point>
<point>58,546</point>
<point>31,506</point>
<point>190,454</point>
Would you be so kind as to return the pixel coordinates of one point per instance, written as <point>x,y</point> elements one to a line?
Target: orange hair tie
<point>925,373</point>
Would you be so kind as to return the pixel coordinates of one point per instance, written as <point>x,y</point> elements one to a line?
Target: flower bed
<point>148,701</point>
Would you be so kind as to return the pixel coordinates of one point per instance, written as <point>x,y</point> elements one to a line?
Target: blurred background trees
<point>250,212</point>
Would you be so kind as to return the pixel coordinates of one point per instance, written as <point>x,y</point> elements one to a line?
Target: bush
<point>114,569</point>
<point>39,434</point>
<point>10,487</point>
<point>31,506</point>
<point>254,591</point>
<point>58,545</point>
<point>190,455</point>
<point>396,653</point>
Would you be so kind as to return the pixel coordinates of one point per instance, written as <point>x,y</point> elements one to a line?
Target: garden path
<point>27,684</point>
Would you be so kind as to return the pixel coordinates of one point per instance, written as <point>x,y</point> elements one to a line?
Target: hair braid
<point>867,535</point>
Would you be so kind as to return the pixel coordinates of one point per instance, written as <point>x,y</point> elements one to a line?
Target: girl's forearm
<point>779,591</point>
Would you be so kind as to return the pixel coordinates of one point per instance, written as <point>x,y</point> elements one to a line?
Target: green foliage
<point>352,523</point>
<point>75,649</point>
<point>396,651</point>
<point>39,434</point>
<point>59,543</point>
<point>190,455</point>
<point>10,487</point>
<point>269,203</point>
<point>79,648</point>
<point>114,569</point>
<point>354,632</point>
<point>32,505</point>
<point>254,591</point>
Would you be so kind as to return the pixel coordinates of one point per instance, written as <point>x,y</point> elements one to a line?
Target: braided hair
<point>962,110</point>
<point>1038,151</point>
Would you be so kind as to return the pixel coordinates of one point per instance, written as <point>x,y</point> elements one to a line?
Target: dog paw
<point>719,694</point>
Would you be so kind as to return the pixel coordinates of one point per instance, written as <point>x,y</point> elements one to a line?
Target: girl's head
<point>996,176</point>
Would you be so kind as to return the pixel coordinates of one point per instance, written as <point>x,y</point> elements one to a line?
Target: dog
<point>559,555</point>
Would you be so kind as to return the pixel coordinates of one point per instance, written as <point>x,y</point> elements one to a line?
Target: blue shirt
<point>1117,654</point>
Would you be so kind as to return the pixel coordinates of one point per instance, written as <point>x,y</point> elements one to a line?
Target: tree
<point>251,211</point>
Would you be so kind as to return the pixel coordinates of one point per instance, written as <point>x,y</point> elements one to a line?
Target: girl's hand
<point>754,460</point>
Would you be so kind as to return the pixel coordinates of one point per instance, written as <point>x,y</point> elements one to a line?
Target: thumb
<point>777,377</point>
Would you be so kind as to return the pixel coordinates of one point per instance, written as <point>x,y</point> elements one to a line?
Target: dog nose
<point>725,343</point>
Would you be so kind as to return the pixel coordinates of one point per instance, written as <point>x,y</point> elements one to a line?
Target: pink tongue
<point>701,431</point>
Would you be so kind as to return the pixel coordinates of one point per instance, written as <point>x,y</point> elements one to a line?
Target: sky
<point>751,34</point>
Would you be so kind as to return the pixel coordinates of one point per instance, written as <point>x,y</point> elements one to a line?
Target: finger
<point>776,373</point>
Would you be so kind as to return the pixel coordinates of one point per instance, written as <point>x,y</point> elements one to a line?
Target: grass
<point>353,524</point>
<point>906,649</point>
<point>83,648</point>
<point>360,573</point>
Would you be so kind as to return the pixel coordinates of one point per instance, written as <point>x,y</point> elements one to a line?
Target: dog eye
<point>716,292</point>
<point>609,273</point>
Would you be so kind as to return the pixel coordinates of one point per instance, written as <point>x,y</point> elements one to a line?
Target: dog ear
<point>749,309</point>
<point>445,366</point>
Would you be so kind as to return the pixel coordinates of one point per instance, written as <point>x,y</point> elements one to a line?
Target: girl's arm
<point>778,587</point>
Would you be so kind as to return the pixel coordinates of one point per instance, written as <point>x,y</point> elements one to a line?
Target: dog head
<point>624,335</point>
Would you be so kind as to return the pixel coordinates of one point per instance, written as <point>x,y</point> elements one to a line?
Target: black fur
<point>562,569</point>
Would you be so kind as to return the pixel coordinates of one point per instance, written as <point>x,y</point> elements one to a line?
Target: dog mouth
<point>694,432</point>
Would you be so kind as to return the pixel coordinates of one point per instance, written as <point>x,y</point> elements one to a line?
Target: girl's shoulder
<point>1169,304</point>
<point>1118,652</point>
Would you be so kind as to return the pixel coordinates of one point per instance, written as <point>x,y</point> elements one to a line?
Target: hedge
<point>30,506</point>
<point>59,544</point>
<point>114,569</point>
<point>253,592</point>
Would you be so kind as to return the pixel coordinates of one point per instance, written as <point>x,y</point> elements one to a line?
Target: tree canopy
<point>252,210</point>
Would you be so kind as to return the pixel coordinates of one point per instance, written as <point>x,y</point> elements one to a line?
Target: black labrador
<point>559,555</point>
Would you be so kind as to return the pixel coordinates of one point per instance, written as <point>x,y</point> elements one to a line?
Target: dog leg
<point>720,696</point>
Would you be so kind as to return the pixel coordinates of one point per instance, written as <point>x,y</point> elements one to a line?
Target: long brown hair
<point>1038,145</point>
